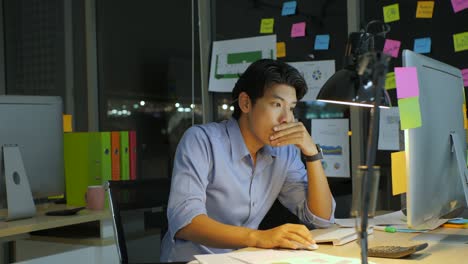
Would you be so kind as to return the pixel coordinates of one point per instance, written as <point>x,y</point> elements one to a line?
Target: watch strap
<point>314,157</point>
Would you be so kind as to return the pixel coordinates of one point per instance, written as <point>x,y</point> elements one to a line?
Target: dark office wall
<point>34,47</point>
<point>440,28</point>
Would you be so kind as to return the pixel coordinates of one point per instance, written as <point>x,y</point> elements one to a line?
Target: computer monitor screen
<point>34,124</point>
<point>434,184</point>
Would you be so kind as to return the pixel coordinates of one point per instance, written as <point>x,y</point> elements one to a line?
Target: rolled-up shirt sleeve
<point>189,180</point>
<point>293,195</point>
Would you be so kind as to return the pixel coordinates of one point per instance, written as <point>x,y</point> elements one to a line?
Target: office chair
<point>139,217</point>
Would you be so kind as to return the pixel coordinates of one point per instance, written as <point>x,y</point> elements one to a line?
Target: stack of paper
<point>273,256</point>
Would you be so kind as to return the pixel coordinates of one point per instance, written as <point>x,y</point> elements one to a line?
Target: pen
<point>388,229</point>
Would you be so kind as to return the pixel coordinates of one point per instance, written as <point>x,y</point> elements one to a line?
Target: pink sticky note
<point>406,79</point>
<point>465,77</point>
<point>298,30</point>
<point>392,47</point>
<point>459,5</point>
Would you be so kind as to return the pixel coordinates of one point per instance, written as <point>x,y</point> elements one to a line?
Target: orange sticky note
<point>280,49</point>
<point>67,123</point>
<point>425,9</point>
<point>398,172</point>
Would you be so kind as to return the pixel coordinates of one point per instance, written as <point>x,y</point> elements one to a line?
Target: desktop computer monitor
<point>434,185</point>
<point>34,125</point>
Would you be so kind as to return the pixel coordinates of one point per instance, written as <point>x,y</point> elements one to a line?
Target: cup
<point>94,197</point>
<point>358,190</point>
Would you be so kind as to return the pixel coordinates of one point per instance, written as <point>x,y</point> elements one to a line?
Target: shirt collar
<point>238,148</point>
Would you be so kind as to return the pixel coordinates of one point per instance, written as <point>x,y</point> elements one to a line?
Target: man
<point>227,175</point>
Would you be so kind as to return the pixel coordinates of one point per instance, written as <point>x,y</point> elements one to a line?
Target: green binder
<point>124,156</point>
<point>87,162</point>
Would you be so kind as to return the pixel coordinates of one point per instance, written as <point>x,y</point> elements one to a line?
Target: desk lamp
<point>361,83</point>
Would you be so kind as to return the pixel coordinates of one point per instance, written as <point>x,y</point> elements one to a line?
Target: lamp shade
<point>348,87</point>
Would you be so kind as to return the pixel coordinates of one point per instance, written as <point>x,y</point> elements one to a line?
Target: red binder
<point>132,142</point>
<point>115,158</point>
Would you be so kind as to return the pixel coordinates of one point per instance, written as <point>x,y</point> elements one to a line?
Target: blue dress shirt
<point>214,175</point>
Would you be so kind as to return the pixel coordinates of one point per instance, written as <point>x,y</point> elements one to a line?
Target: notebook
<point>339,236</point>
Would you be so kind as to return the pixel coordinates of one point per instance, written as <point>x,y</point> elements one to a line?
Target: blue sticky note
<point>422,45</point>
<point>289,8</point>
<point>322,42</point>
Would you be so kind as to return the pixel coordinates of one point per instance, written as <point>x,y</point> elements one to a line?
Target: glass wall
<point>149,77</point>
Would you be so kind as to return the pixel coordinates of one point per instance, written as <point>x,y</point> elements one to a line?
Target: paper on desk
<point>289,256</point>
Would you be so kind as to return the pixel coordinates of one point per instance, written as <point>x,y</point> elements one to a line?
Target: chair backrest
<point>139,217</point>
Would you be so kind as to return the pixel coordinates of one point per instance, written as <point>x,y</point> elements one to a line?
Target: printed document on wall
<point>389,129</point>
<point>230,58</point>
<point>315,73</point>
<point>332,136</point>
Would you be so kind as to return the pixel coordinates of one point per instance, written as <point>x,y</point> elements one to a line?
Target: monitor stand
<point>20,203</point>
<point>462,170</point>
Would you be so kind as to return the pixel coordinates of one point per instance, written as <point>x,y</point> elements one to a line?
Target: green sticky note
<point>266,25</point>
<point>410,112</point>
<point>391,13</point>
<point>460,41</point>
<point>390,81</point>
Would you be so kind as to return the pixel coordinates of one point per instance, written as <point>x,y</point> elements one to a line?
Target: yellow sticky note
<point>267,25</point>
<point>465,121</point>
<point>280,49</point>
<point>398,172</point>
<point>391,13</point>
<point>460,41</point>
<point>410,112</point>
<point>390,81</point>
<point>67,123</point>
<point>425,9</point>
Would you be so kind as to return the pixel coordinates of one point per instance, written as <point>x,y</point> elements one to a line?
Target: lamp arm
<point>379,72</point>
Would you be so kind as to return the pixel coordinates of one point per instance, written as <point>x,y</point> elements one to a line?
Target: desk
<point>437,252</point>
<point>17,229</point>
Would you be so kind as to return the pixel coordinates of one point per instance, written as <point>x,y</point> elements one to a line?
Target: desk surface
<point>42,221</point>
<point>437,252</point>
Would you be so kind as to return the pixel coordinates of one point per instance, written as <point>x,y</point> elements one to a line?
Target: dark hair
<point>261,75</point>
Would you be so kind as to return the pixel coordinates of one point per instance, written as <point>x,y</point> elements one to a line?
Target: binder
<point>124,157</point>
<point>115,155</point>
<point>133,154</point>
<point>87,162</point>
<point>78,167</point>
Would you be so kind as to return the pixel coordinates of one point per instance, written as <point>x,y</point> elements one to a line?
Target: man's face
<point>274,108</point>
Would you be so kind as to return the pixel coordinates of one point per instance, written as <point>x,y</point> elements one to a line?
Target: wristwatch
<point>315,157</point>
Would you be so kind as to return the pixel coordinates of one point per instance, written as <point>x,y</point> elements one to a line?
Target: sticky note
<point>289,8</point>
<point>67,123</point>
<point>298,30</point>
<point>391,13</point>
<point>422,45</point>
<point>459,5</point>
<point>390,81</point>
<point>410,112</point>
<point>266,26</point>
<point>465,121</point>
<point>465,77</point>
<point>425,9</point>
<point>280,49</point>
<point>322,42</point>
<point>460,41</point>
<point>406,79</point>
<point>392,47</point>
<point>398,172</point>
